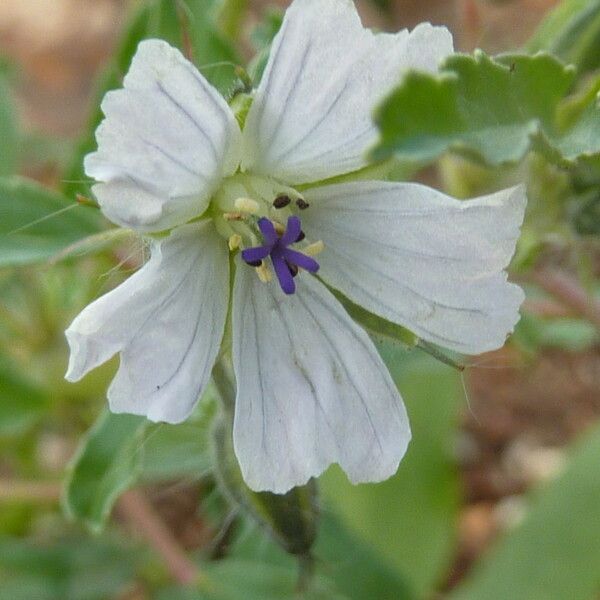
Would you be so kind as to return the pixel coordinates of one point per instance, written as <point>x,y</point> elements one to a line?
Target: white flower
<point>311,388</point>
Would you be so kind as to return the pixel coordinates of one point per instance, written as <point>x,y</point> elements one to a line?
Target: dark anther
<point>255,263</point>
<point>301,236</point>
<point>293,268</point>
<point>281,201</point>
<point>302,204</point>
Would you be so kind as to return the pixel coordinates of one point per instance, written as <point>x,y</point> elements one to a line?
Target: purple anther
<point>286,261</point>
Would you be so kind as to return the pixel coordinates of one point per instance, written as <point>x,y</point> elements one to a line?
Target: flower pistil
<point>286,261</point>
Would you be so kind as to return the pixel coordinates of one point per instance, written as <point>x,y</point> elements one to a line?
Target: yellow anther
<point>314,249</point>
<point>234,241</point>
<point>279,228</point>
<point>247,205</point>
<point>264,273</point>
<point>233,216</point>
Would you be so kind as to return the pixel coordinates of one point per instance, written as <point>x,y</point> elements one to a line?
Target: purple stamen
<point>286,261</point>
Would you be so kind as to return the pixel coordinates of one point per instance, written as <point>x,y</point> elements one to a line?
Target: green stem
<point>224,382</point>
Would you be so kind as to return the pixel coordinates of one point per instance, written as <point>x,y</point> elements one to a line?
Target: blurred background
<point>501,453</point>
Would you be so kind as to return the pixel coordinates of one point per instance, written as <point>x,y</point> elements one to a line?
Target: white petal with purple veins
<point>167,322</point>
<point>169,136</point>
<point>312,389</point>
<point>417,257</point>
<point>312,115</point>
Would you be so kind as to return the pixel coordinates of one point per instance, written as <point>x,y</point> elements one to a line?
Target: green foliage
<point>342,559</point>
<point>9,132</point>
<point>36,223</point>
<point>21,402</point>
<point>356,568</point>
<point>421,500</point>
<point>492,110</point>
<point>553,555</point>
<point>571,32</point>
<point>262,37</point>
<point>172,451</point>
<point>70,568</point>
<point>105,465</point>
<point>253,580</point>
<point>534,334</point>
<point>122,450</point>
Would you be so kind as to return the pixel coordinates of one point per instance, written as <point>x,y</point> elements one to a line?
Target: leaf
<point>493,110</point>
<point>553,554</point>
<point>534,334</point>
<point>36,223</point>
<point>572,32</point>
<point>581,139</point>
<point>409,520</point>
<point>9,132</point>
<point>70,568</point>
<point>21,403</point>
<point>355,568</point>
<point>342,560</point>
<point>262,37</point>
<point>171,451</point>
<point>232,579</point>
<point>107,462</point>
<point>214,53</point>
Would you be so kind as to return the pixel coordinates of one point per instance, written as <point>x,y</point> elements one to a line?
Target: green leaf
<point>107,462</point>
<point>355,568</point>
<point>493,110</point>
<point>71,568</point>
<point>9,132</point>
<point>194,25</point>
<point>21,403</point>
<point>216,59</point>
<point>233,579</point>
<point>36,223</point>
<point>262,37</point>
<point>171,451</point>
<point>571,32</point>
<point>409,520</point>
<point>534,333</point>
<point>351,568</point>
<point>582,139</point>
<point>553,554</point>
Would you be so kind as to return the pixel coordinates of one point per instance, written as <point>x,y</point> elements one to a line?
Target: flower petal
<point>311,117</point>
<point>417,257</point>
<point>168,137</point>
<point>312,389</point>
<point>166,320</point>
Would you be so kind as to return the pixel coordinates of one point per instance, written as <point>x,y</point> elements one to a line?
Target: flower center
<point>259,216</point>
